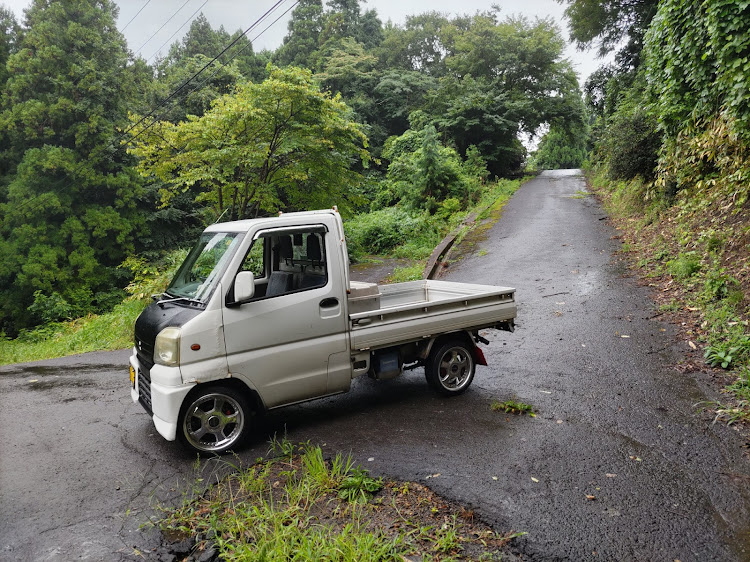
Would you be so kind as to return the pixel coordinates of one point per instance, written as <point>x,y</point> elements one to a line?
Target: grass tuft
<point>304,506</point>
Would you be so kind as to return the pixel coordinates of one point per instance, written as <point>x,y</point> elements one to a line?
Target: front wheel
<point>450,367</point>
<point>214,420</point>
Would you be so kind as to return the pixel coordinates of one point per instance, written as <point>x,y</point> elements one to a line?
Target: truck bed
<point>421,309</point>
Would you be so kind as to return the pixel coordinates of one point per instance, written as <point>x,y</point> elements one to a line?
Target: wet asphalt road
<point>81,466</point>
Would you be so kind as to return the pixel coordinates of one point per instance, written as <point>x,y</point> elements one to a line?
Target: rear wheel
<point>450,367</point>
<point>214,420</point>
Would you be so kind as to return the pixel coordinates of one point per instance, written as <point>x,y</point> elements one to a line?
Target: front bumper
<point>160,391</point>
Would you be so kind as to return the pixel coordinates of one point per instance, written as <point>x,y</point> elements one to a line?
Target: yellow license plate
<point>132,376</point>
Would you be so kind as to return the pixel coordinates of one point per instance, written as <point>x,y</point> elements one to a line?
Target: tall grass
<point>104,332</point>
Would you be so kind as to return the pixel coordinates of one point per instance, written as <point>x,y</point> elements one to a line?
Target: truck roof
<point>283,219</point>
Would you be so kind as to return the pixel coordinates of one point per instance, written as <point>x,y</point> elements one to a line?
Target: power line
<point>236,54</point>
<point>178,30</point>
<point>111,145</point>
<point>194,76</point>
<point>162,27</point>
<point>135,16</point>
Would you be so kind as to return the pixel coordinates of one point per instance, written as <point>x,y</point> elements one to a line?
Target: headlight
<point>167,347</point>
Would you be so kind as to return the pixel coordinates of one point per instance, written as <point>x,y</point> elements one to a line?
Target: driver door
<point>282,340</point>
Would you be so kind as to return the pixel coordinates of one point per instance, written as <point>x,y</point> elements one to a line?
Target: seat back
<point>279,283</point>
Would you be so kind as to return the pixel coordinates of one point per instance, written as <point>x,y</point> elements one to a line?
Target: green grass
<point>104,332</point>
<point>407,273</point>
<point>512,406</point>
<point>302,506</point>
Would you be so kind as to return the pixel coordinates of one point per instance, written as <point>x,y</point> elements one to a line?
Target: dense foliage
<point>672,136</point>
<point>105,155</point>
<point>69,207</point>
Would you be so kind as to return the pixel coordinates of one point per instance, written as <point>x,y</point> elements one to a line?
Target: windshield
<point>200,272</point>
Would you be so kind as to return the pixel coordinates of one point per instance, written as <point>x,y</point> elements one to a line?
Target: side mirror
<point>244,286</point>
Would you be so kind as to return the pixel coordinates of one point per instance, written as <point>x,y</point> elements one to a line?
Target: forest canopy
<point>105,155</point>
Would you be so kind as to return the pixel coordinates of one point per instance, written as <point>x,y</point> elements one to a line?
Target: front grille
<point>145,351</point>
<point>144,389</point>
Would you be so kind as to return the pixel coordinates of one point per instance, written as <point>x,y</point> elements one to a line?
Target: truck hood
<point>154,319</point>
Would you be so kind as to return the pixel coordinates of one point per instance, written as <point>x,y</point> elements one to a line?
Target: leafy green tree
<point>559,150</point>
<point>399,93</point>
<point>610,23</point>
<point>421,45</point>
<point>423,173</point>
<point>278,145</point>
<point>69,217</point>
<point>9,35</point>
<point>303,37</point>
<point>348,69</point>
<point>474,112</point>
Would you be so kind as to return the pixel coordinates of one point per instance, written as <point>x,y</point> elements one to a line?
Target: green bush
<point>381,231</point>
<point>685,265</point>
<point>631,144</point>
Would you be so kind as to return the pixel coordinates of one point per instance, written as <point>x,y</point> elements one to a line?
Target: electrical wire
<point>236,54</point>
<point>111,145</point>
<point>135,16</point>
<point>190,19</point>
<point>194,76</point>
<point>162,27</point>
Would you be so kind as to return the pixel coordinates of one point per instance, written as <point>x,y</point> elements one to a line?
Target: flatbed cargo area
<point>419,309</point>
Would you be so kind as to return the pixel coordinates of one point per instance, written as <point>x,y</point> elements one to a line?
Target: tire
<point>450,367</point>
<point>214,420</point>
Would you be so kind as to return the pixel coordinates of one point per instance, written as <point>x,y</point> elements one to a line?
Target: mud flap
<point>479,358</point>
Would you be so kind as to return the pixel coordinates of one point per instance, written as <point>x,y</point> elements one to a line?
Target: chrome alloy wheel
<point>455,368</point>
<point>213,422</point>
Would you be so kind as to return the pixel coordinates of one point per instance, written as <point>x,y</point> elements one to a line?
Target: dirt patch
<point>423,524</point>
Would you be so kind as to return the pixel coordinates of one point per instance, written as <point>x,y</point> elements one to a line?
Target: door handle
<point>329,303</point>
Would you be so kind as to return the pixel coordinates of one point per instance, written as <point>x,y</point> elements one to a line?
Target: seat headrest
<point>313,248</point>
<point>285,246</point>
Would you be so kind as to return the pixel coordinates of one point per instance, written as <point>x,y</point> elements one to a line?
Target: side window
<point>254,259</point>
<point>296,261</point>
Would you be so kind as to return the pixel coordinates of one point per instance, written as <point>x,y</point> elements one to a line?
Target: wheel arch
<point>464,335</point>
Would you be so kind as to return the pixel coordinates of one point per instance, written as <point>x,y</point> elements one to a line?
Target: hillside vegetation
<point>110,162</point>
<point>671,159</point>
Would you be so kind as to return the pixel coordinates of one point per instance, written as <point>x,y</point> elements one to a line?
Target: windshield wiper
<point>164,301</point>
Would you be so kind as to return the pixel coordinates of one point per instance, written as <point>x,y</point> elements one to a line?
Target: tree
<point>278,145</point>
<point>421,45</point>
<point>558,150</point>
<point>607,23</point>
<point>398,94</point>
<point>9,35</point>
<point>303,37</point>
<point>474,112</point>
<point>422,172</point>
<point>69,217</point>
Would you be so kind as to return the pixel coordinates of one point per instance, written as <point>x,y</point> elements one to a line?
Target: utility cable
<point>162,27</point>
<point>194,76</point>
<point>190,19</point>
<point>236,54</point>
<point>111,145</point>
<point>135,16</point>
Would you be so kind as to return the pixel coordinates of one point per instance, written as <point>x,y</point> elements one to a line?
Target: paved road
<point>81,466</point>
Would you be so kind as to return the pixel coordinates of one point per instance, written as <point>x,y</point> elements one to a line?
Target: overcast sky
<point>152,30</point>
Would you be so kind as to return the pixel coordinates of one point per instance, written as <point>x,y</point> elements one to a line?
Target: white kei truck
<point>263,314</point>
